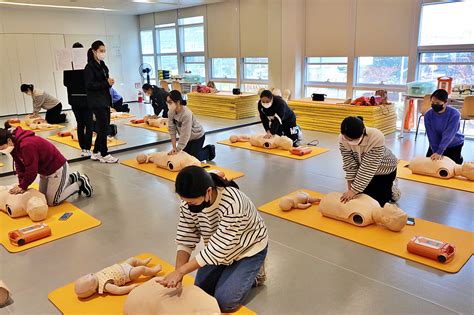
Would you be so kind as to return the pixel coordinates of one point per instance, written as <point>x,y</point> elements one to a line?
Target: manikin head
<point>175,101</point>
<point>142,158</point>
<point>390,216</point>
<point>439,100</point>
<point>287,203</point>
<point>86,286</point>
<point>37,208</point>
<point>467,170</point>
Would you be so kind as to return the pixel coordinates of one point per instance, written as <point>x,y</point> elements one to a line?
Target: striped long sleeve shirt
<point>364,161</point>
<point>231,229</point>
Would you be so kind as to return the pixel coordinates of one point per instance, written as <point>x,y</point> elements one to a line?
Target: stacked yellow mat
<point>223,104</point>
<point>327,116</point>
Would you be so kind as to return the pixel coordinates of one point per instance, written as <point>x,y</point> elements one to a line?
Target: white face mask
<point>101,56</point>
<point>355,141</point>
<point>267,105</point>
<point>7,150</point>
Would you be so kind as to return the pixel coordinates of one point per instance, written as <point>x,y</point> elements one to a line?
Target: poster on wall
<point>71,58</point>
<point>79,58</point>
<point>63,59</point>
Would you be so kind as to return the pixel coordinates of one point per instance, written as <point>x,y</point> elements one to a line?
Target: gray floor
<point>132,135</point>
<point>309,272</point>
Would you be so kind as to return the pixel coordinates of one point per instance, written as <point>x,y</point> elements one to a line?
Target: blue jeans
<point>231,284</point>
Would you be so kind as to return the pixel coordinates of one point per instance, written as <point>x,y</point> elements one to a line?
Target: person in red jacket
<point>33,155</point>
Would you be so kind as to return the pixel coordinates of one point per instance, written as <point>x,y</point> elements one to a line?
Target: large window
<point>224,73</point>
<point>448,23</point>
<point>254,74</point>
<point>458,65</point>
<point>192,34</point>
<point>382,70</point>
<point>326,75</point>
<point>195,65</point>
<point>147,49</point>
<point>167,48</point>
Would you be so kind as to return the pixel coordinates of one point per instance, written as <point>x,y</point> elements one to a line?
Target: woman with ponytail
<point>234,235</point>
<point>98,84</point>
<point>33,156</point>
<point>43,100</point>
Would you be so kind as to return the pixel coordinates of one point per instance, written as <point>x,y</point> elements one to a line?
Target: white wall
<point>29,37</point>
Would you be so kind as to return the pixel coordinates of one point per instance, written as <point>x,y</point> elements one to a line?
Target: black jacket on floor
<point>278,117</point>
<point>158,101</point>
<point>97,86</point>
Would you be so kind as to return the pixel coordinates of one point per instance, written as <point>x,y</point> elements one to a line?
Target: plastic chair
<point>276,92</point>
<point>286,95</point>
<point>164,84</point>
<point>176,86</point>
<point>424,108</point>
<point>467,110</point>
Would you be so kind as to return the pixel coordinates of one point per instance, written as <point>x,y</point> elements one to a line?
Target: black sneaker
<point>85,185</point>
<point>212,152</point>
<point>74,177</point>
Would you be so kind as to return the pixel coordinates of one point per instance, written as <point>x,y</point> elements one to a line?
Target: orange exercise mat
<point>169,175</point>
<point>79,221</point>
<point>66,301</point>
<point>25,127</point>
<point>458,183</point>
<point>75,144</point>
<point>145,126</point>
<point>380,238</point>
<point>279,152</point>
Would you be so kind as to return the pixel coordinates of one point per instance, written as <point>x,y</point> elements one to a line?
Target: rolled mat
<point>66,301</point>
<point>79,221</point>
<point>145,126</point>
<point>123,116</point>
<point>75,144</point>
<point>169,175</point>
<point>380,238</point>
<point>279,152</point>
<point>25,127</point>
<point>458,183</point>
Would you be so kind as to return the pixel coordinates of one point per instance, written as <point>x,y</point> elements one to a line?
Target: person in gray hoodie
<point>182,122</point>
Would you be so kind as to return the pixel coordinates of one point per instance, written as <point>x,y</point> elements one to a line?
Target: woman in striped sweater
<point>371,168</point>
<point>234,234</point>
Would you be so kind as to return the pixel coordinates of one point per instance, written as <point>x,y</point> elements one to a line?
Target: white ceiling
<point>117,6</point>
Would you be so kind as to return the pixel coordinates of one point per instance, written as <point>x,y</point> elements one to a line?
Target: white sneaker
<point>86,153</point>
<point>108,159</point>
<point>95,156</point>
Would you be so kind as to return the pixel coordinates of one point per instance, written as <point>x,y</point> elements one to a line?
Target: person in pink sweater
<point>33,156</point>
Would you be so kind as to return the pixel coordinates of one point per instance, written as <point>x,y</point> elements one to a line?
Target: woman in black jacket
<point>278,118</point>
<point>98,83</point>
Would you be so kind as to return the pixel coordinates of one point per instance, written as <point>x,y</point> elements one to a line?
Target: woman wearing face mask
<point>42,100</point>
<point>98,84</point>
<point>33,155</point>
<point>234,234</point>
<point>277,118</point>
<point>371,168</point>
<point>181,121</point>
<point>442,127</point>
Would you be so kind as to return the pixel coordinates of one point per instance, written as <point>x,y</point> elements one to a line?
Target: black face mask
<point>200,207</point>
<point>437,107</point>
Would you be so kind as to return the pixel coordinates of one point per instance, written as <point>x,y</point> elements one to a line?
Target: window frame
<point>324,84</point>
<point>153,76</point>
<point>180,43</point>
<point>381,85</point>
<point>244,80</point>
<point>184,62</point>
<point>220,79</point>
<point>157,29</point>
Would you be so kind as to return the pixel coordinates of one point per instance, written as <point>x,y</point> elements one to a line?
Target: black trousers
<point>289,129</point>
<point>102,121</point>
<point>195,148</point>
<point>84,119</point>
<point>380,187</point>
<point>454,153</point>
<point>54,116</point>
<point>120,107</point>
